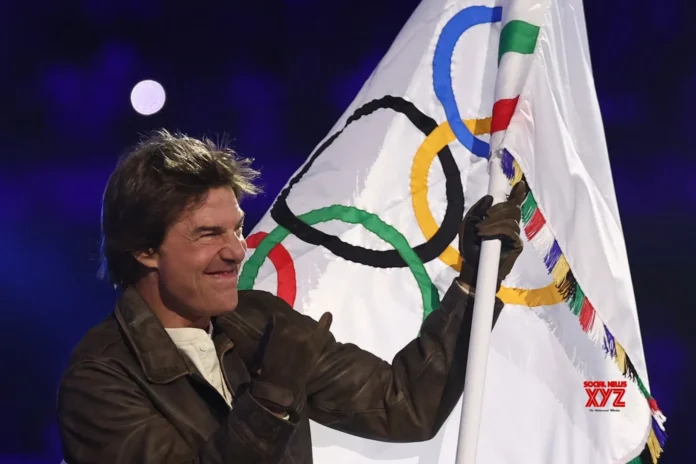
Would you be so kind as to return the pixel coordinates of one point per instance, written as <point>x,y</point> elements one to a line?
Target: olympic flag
<point>366,229</point>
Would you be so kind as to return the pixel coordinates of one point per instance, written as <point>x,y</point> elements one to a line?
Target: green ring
<point>351,215</point>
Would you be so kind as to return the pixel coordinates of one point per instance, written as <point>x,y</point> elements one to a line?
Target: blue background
<point>275,75</point>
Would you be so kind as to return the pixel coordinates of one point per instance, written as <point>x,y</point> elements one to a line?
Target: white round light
<point>147,97</point>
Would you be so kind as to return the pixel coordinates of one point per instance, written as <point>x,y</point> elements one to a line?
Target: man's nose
<point>235,249</point>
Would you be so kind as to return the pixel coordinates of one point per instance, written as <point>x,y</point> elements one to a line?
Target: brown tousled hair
<point>152,185</point>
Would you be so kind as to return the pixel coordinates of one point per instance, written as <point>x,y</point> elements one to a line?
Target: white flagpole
<point>482,323</point>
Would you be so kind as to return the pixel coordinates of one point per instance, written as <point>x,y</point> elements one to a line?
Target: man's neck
<point>148,288</point>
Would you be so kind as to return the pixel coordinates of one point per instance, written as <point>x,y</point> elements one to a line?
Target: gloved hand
<point>486,222</point>
<point>285,357</point>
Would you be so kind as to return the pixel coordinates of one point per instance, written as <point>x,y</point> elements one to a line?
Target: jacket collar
<point>157,354</point>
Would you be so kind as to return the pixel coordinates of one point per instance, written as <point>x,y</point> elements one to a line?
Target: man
<point>188,369</point>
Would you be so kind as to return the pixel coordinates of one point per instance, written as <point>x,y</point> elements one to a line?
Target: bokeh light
<point>148,97</point>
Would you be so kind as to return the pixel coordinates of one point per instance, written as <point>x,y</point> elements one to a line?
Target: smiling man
<point>189,369</point>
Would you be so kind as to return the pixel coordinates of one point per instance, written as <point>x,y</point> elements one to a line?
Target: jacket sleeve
<point>408,400</point>
<point>105,418</point>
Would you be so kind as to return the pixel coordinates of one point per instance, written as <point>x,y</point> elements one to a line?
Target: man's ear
<point>149,258</point>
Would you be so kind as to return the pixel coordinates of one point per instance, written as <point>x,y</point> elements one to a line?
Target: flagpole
<point>486,283</point>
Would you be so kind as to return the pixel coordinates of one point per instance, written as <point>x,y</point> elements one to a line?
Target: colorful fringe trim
<point>541,237</point>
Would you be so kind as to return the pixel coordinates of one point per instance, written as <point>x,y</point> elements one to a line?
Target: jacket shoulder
<point>102,343</point>
<point>255,308</point>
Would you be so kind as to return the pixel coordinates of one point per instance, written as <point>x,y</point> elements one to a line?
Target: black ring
<point>426,251</point>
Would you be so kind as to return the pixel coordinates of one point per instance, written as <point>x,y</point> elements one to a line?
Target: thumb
<point>517,194</point>
<point>324,323</point>
<point>321,332</point>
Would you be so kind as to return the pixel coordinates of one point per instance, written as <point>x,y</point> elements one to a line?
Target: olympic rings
<point>284,265</point>
<point>427,251</point>
<point>437,139</point>
<point>442,64</point>
<point>429,294</point>
<point>438,239</point>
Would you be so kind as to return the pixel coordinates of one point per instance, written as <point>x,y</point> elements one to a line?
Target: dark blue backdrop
<point>275,76</point>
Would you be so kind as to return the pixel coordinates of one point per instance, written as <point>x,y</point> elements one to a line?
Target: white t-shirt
<point>197,345</point>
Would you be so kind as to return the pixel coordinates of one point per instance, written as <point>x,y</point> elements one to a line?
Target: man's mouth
<point>225,274</point>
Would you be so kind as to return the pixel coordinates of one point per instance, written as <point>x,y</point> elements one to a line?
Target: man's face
<point>198,262</point>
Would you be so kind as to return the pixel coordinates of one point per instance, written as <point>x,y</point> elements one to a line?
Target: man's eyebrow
<point>216,229</point>
<point>206,229</point>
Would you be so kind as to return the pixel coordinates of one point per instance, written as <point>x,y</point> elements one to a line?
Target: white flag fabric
<point>366,229</point>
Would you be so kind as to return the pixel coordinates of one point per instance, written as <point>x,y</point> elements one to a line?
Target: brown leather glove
<point>285,357</point>
<point>486,222</point>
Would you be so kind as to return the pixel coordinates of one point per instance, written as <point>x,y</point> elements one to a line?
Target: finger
<point>503,209</point>
<point>321,332</point>
<point>468,226</point>
<point>519,191</point>
<point>514,244</point>
<point>325,321</point>
<point>504,214</point>
<point>511,244</point>
<point>498,225</point>
<point>517,245</point>
<point>512,249</point>
<point>480,207</point>
<point>504,227</point>
<point>468,230</point>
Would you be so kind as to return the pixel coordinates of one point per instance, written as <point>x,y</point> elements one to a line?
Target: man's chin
<point>224,308</point>
<point>224,311</point>
<point>223,303</point>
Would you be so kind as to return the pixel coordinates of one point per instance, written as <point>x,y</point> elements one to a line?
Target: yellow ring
<point>423,159</point>
<point>544,296</point>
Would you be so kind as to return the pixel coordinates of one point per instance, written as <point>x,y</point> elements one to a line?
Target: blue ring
<point>442,65</point>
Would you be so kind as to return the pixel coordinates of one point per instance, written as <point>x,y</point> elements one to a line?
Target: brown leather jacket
<point>129,396</point>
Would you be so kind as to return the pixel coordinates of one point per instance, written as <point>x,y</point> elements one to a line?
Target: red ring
<point>284,265</point>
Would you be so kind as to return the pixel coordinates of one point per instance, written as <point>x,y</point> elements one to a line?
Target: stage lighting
<point>147,97</point>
